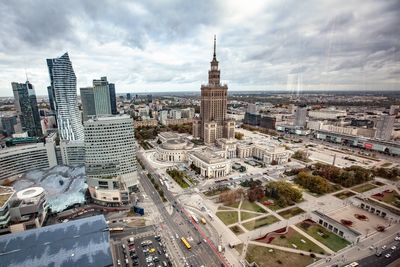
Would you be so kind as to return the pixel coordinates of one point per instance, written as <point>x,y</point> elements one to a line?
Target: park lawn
<point>364,187</point>
<point>251,206</point>
<point>276,258</point>
<point>294,237</point>
<point>239,248</point>
<point>329,239</point>
<point>248,215</point>
<point>228,217</point>
<point>257,223</point>
<point>222,207</point>
<point>236,230</point>
<point>345,194</point>
<point>234,205</point>
<point>289,213</point>
<point>390,198</point>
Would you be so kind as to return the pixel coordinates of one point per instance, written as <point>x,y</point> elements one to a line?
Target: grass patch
<point>228,217</point>
<point>236,230</point>
<point>233,205</point>
<point>389,197</point>
<point>179,177</point>
<point>363,188</point>
<point>222,207</point>
<point>257,223</point>
<point>276,258</point>
<point>247,215</point>
<point>294,237</point>
<point>239,248</point>
<point>289,213</point>
<point>345,194</point>
<point>327,238</point>
<point>137,223</point>
<point>251,206</point>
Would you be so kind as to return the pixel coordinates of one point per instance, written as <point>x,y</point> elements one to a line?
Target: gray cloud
<point>167,44</point>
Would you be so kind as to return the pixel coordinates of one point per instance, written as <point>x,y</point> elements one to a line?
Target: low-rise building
<point>145,123</point>
<point>212,164</point>
<point>6,193</point>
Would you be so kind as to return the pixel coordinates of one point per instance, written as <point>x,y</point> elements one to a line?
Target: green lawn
<point>389,198</point>
<point>222,207</point>
<point>239,248</point>
<point>257,223</point>
<point>276,258</point>
<point>247,215</point>
<point>328,238</point>
<point>363,188</point>
<point>228,217</point>
<point>236,230</point>
<point>345,194</point>
<point>251,206</point>
<point>234,205</point>
<point>294,237</point>
<point>289,213</point>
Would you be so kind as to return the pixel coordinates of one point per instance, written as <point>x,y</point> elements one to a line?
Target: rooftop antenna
<point>215,45</point>
<point>26,75</point>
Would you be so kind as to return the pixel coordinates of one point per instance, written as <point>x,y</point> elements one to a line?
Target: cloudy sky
<point>148,46</point>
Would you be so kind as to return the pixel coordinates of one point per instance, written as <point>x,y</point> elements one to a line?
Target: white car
<point>388,255</point>
<point>397,238</point>
<point>371,247</point>
<point>393,248</point>
<point>383,247</point>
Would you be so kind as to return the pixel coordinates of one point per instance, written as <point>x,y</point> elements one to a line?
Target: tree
<point>255,194</point>
<point>314,183</point>
<point>283,192</point>
<point>239,136</point>
<point>301,155</point>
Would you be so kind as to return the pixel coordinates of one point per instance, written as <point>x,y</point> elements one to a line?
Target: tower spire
<point>215,47</point>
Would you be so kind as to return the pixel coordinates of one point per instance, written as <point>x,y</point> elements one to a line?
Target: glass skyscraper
<point>27,109</point>
<point>63,83</point>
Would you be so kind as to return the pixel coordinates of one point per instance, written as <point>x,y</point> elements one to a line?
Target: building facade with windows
<point>110,159</point>
<point>63,88</point>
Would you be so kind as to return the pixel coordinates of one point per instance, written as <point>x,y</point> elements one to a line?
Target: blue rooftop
<point>83,242</point>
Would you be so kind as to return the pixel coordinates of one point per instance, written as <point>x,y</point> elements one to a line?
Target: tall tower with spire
<point>213,123</point>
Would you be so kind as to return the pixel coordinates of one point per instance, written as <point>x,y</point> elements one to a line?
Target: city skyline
<point>265,46</point>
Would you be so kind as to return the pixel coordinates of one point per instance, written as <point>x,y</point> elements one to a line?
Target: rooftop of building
<point>83,242</point>
<point>169,135</point>
<point>209,156</point>
<point>109,117</point>
<point>6,192</point>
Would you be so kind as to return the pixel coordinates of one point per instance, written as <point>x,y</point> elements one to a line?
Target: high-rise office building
<point>384,127</point>
<point>300,117</point>
<point>128,96</point>
<point>213,123</point>
<point>88,104</point>
<point>113,99</point>
<point>27,109</point>
<point>110,159</point>
<point>63,83</point>
<point>50,93</point>
<point>8,122</point>
<point>99,99</point>
<point>102,96</point>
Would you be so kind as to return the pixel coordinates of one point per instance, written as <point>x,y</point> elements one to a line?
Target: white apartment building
<point>110,159</point>
<point>15,161</point>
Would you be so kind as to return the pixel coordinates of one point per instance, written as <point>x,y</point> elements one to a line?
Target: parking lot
<point>144,251</point>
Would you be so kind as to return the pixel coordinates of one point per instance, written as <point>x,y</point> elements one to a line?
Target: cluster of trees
<point>314,183</point>
<point>250,183</point>
<point>239,136</point>
<point>346,177</point>
<point>295,171</point>
<point>387,173</point>
<point>157,187</point>
<point>151,132</point>
<point>283,193</point>
<point>255,193</point>
<point>261,130</point>
<point>231,196</point>
<point>178,176</point>
<point>195,168</point>
<point>301,155</point>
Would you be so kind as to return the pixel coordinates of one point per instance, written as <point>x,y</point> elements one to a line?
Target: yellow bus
<point>203,221</point>
<point>187,245</point>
